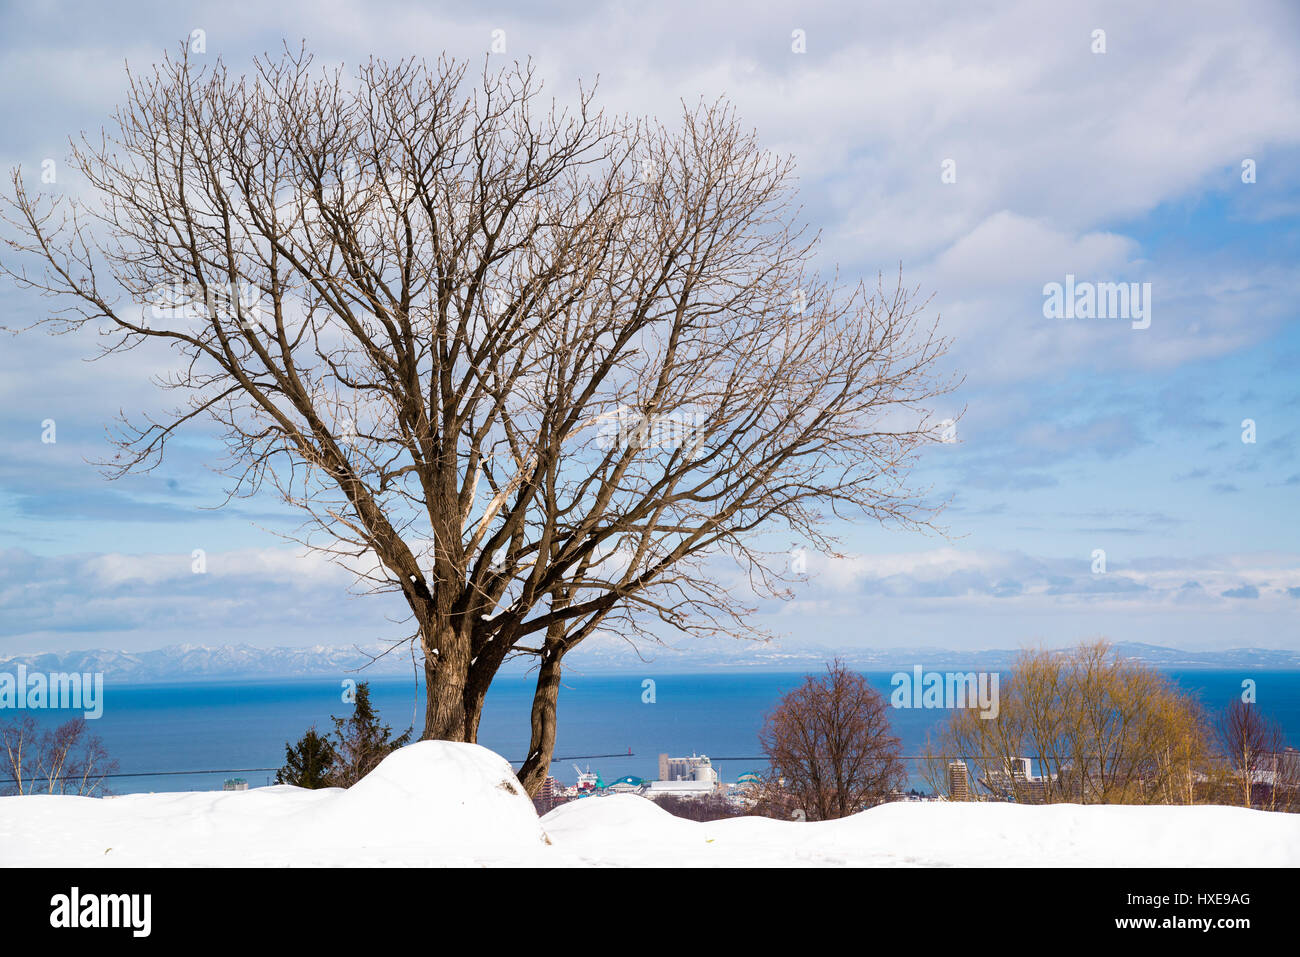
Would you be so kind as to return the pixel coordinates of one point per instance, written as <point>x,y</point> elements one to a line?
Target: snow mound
<point>614,831</point>
<point>621,824</point>
<point>439,794</point>
<point>431,803</point>
<point>442,804</point>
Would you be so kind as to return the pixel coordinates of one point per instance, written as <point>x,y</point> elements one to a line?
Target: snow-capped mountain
<point>187,662</point>
<point>599,655</point>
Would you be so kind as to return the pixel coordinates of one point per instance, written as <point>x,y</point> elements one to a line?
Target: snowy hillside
<point>435,803</point>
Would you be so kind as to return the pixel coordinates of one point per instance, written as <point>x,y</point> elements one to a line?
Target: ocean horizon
<point>193,735</point>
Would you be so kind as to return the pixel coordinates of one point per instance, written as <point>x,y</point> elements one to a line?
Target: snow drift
<point>625,830</point>
<point>433,802</point>
<point>437,803</point>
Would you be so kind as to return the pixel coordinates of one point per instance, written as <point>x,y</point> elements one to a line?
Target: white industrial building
<point>684,777</point>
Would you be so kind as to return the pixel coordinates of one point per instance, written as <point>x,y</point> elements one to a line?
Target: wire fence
<point>159,774</point>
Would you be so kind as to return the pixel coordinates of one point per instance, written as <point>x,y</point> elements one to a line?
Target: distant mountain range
<point>199,662</point>
<point>750,657</point>
<point>189,662</point>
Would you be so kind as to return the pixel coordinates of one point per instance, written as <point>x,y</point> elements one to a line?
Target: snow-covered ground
<point>435,803</point>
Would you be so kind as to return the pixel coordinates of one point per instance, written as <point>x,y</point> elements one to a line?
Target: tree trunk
<point>446,672</point>
<point>541,746</point>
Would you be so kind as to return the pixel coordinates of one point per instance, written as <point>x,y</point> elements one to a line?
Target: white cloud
<point>963,578</point>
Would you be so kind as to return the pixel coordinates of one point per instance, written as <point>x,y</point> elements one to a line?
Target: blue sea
<point>214,730</point>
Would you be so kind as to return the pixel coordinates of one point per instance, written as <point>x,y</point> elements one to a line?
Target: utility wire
<point>159,774</point>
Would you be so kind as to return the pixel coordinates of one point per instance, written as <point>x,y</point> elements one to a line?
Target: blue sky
<point>1078,435</point>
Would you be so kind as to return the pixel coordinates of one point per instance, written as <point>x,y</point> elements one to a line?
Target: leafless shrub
<point>1258,769</point>
<point>1102,730</point>
<point>62,760</point>
<point>830,747</point>
<point>710,807</point>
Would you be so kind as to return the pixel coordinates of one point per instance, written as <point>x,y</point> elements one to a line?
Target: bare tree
<point>830,746</point>
<point>539,371</point>
<point>60,760</point>
<point>1260,770</point>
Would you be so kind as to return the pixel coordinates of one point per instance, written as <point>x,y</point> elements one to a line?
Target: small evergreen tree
<point>361,741</point>
<point>307,764</point>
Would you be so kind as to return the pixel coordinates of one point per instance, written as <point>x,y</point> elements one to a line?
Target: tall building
<point>958,781</point>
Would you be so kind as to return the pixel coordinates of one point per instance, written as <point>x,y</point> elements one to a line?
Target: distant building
<point>630,784</point>
<point>684,777</point>
<point>1288,764</point>
<point>958,781</point>
<point>235,784</point>
<point>656,789</point>
<point>1034,791</point>
<point>683,769</point>
<point>1017,782</point>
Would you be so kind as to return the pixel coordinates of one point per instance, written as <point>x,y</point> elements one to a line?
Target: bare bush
<point>62,760</point>
<point>708,807</point>
<point>1102,730</point>
<point>830,747</point>
<point>1258,769</point>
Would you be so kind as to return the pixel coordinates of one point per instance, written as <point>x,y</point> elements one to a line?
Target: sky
<point>989,149</point>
